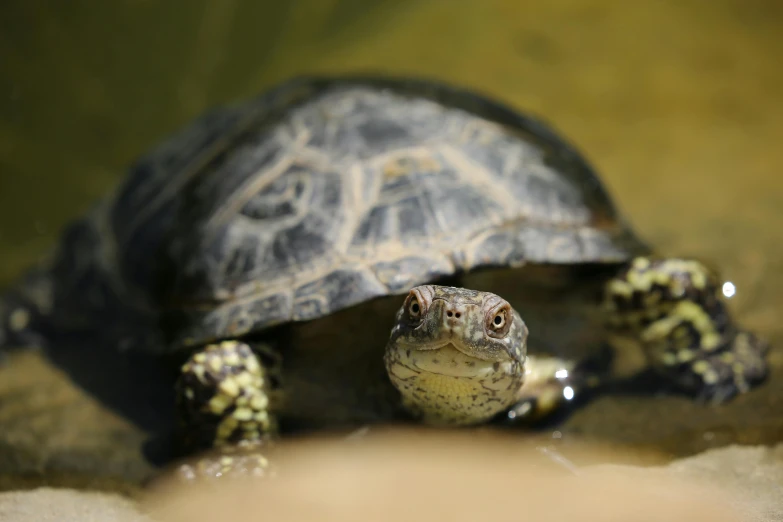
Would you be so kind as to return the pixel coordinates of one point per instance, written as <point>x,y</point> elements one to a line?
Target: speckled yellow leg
<point>675,309</point>
<point>224,395</point>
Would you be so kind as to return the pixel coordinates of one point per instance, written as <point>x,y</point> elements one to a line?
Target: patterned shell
<point>323,193</point>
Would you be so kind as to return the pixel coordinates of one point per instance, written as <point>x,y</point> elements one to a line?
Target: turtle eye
<point>414,307</point>
<point>499,321</point>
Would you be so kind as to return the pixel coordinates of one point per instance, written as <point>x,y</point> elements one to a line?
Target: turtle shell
<point>326,192</point>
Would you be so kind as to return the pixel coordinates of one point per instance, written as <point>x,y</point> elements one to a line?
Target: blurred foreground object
<point>480,477</point>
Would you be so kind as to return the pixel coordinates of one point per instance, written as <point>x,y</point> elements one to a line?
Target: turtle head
<point>456,355</point>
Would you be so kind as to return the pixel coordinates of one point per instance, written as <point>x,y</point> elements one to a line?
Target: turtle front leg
<point>675,309</point>
<point>224,395</point>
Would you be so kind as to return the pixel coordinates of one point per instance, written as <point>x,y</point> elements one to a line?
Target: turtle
<point>346,250</point>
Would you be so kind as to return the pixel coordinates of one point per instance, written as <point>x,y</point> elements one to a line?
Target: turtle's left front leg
<point>225,402</point>
<point>675,309</point>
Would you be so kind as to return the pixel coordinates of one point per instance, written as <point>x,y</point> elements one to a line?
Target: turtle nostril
<point>453,314</point>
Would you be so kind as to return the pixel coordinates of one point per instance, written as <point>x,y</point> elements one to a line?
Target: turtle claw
<point>21,323</point>
<point>243,460</point>
<point>524,410</point>
<point>717,378</point>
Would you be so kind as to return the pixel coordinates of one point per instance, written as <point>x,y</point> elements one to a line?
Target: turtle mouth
<point>449,360</point>
<point>444,346</point>
<point>438,346</point>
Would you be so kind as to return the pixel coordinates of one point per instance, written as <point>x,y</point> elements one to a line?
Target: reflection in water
<point>729,289</point>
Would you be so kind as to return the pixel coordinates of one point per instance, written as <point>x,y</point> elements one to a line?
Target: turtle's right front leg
<point>224,398</point>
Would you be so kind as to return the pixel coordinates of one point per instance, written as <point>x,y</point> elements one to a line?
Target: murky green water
<point>679,106</point>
